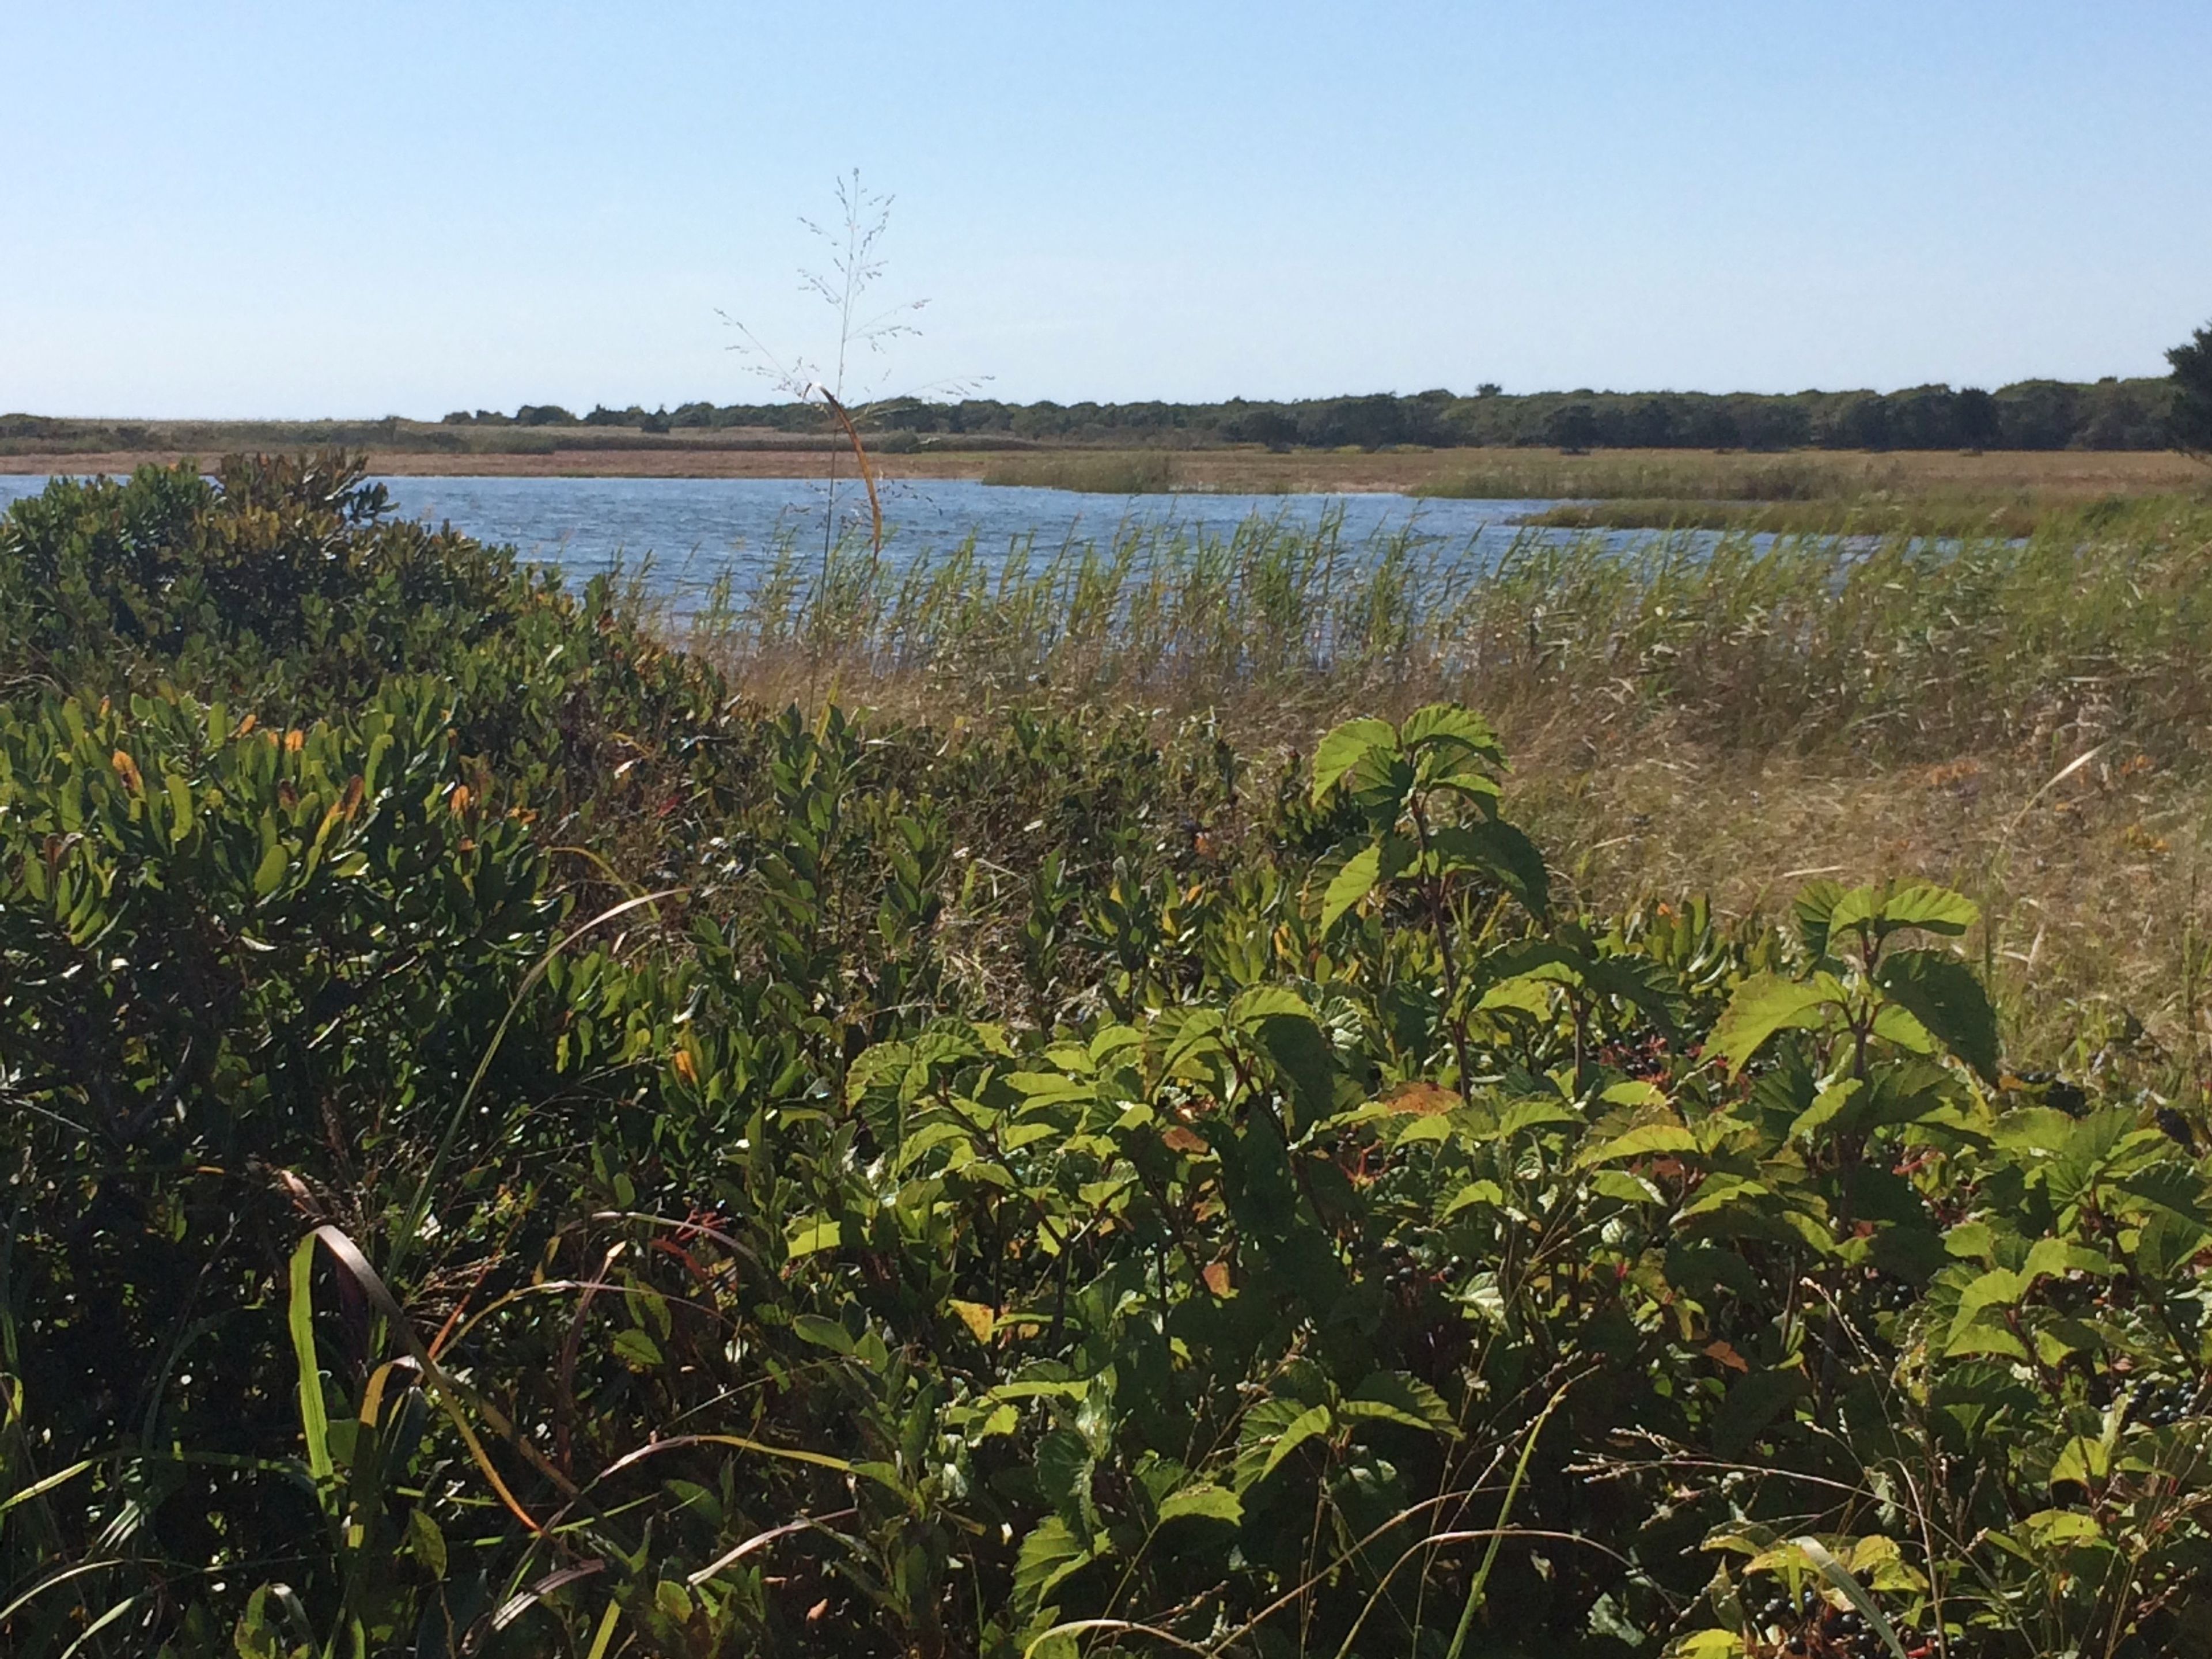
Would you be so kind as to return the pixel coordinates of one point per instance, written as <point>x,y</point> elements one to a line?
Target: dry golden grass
<point>2093,889</point>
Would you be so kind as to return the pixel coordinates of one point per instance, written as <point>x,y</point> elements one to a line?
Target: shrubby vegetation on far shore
<point>514,1147</point>
<point>2109,414</point>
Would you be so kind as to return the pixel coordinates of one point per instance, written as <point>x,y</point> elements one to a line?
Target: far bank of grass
<point>1941,491</point>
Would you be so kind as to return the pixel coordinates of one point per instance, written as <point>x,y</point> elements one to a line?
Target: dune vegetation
<point>1253,1096</point>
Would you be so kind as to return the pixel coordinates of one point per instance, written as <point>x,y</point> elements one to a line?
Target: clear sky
<point>307,208</point>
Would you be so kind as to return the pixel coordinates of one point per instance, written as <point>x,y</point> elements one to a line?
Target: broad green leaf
<point>1648,1140</point>
<point>1626,1188</point>
<point>2055,1527</point>
<point>1827,1107</point>
<point>1815,903</point>
<point>1881,911</point>
<point>180,808</point>
<point>1943,993</point>
<point>637,1350</point>
<point>1301,1053</point>
<point>2082,1461</point>
<point>425,1542</point>
<point>1352,884</point>
<point>1253,1007</point>
<point>811,1233</point>
<point>1972,1241</point>
<point>1475,1192</point>
<point>1204,1502</point>
<point>1449,725</point>
<point>1344,748</point>
<point>1932,909</point>
<point>1314,1419</point>
<point>1401,1398</point>
<point>1048,1554</point>
<point>269,874</point>
<point>2053,1258</point>
<point>1765,1004</point>
<point>1501,851</point>
<point>821,1332</point>
<point>1064,1467</point>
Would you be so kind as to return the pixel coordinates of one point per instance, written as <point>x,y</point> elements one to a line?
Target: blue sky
<point>306,208</point>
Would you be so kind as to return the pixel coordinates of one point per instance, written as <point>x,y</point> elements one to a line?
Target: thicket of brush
<point>512,1148</point>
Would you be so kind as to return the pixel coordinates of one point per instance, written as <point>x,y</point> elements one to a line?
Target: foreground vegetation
<point>516,1146</point>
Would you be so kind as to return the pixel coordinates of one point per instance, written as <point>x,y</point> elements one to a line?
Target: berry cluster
<point>1814,1628</point>
<point>2165,1404</point>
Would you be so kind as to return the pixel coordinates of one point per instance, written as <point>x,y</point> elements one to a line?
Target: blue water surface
<point>689,533</point>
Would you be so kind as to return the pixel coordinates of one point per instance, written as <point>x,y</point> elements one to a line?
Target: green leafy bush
<point>512,1151</point>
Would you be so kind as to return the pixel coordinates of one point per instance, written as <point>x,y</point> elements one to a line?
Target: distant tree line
<point>2110,414</point>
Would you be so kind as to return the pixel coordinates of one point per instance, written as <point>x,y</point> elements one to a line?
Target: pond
<point>691,532</point>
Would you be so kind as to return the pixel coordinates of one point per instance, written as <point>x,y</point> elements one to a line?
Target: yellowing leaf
<point>977,1316</point>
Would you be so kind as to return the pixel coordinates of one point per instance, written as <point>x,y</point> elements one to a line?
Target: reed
<point>1110,472</point>
<point>1895,648</point>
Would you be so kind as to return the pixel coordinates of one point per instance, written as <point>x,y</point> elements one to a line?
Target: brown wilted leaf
<point>457,802</point>
<point>127,769</point>
<point>1420,1099</point>
<point>1727,1356</point>
<point>295,741</point>
<point>1217,1277</point>
<point>1180,1140</point>
<point>686,1067</point>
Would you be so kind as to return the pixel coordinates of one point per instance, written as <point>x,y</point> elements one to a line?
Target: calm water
<point>694,531</point>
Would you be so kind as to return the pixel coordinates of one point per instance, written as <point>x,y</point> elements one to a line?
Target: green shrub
<point>511,1151</point>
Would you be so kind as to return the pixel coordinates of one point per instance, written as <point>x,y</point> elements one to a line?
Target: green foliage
<point>512,1151</point>
<point>2191,419</point>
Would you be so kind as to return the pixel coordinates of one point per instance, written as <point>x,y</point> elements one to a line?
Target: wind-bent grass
<point>1721,713</point>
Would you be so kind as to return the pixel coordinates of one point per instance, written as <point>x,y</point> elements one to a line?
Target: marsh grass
<point>1874,515</point>
<point>1695,476</point>
<point>1703,714</point>
<point>1112,473</point>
